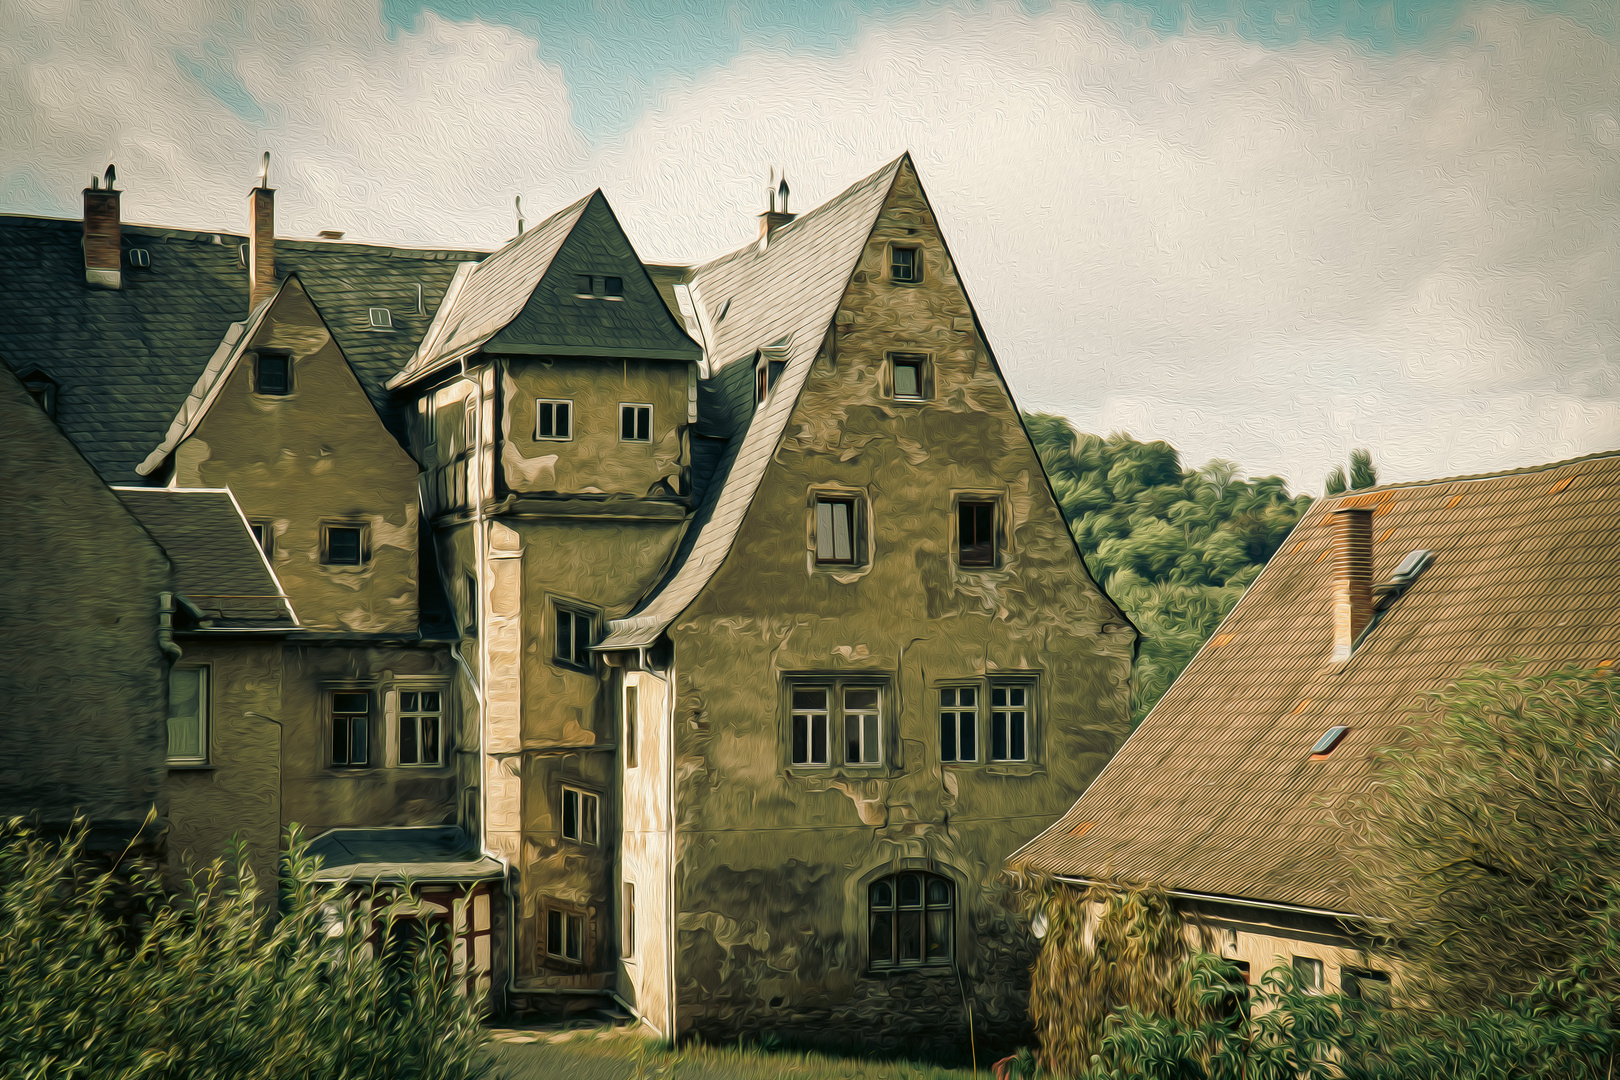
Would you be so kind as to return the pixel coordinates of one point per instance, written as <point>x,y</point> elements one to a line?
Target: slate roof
<point>124,360</point>
<point>432,853</point>
<point>1215,792</point>
<point>784,297</point>
<point>218,566</point>
<point>524,299</point>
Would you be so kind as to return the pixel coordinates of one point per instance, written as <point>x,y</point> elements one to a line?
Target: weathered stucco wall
<point>238,791</point>
<point>594,460</point>
<point>644,847</point>
<point>774,859</point>
<point>83,679</point>
<point>318,455</point>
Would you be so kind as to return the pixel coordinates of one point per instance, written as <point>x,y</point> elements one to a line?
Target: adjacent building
<point>1230,793</point>
<point>711,630</point>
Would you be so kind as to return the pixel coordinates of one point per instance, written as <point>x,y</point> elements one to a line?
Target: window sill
<point>911,969</point>
<point>191,766</point>
<point>841,772</point>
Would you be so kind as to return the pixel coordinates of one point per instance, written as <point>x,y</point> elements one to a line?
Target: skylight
<point>1324,746</point>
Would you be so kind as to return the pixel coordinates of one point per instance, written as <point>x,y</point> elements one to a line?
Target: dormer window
<point>42,388</point>
<point>766,373</point>
<point>599,287</point>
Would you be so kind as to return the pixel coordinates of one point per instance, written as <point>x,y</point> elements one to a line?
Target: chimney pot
<point>1352,577</point>
<point>103,235</point>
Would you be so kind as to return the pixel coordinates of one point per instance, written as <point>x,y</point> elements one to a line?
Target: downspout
<point>165,634</point>
<point>670,941</point>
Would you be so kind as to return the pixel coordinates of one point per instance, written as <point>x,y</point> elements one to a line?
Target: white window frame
<point>408,717</point>
<point>587,815</point>
<point>961,714</point>
<point>332,715</point>
<point>201,719</point>
<point>863,727</point>
<point>833,720</point>
<point>638,405</point>
<point>539,406</point>
<point>1001,719</point>
<point>813,718</point>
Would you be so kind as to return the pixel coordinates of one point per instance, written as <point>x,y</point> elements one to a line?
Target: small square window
<point>910,376</point>
<point>420,713</point>
<point>1009,722</point>
<point>344,545</point>
<point>272,374</point>
<point>381,318</point>
<point>575,636</point>
<point>1309,973</point>
<point>612,286</point>
<point>580,816</point>
<point>263,535</point>
<point>565,935</point>
<point>1371,987</point>
<point>836,525</point>
<point>351,727</point>
<point>809,725</point>
<point>635,423</point>
<point>976,533</point>
<point>905,265</point>
<point>959,723</point>
<point>554,419</point>
<point>188,715</point>
<point>585,285</point>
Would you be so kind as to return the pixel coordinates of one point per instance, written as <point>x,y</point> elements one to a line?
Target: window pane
<point>627,422</point>
<point>430,740</point>
<point>554,933</point>
<point>613,286</point>
<point>882,894</point>
<point>870,744</point>
<point>583,284</point>
<point>947,736</point>
<point>970,736</point>
<point>408,700</point>
<point>910,890</point>
<point>1016,736</point>
<point>906,381</point>
<point>340,740</point>
<point>576,938</point>
<point>947,697</point>
<point>589,805</point>
<point>629,919</point>
<point>976,527</point>
<point>842,549</point>
<point>357,740</point>
<point>811,698</point>
<point>644,424</point>
<point>801,739</point>
<point>570,814</point>
<point>430,701</point>
<point>565,420</point>
<point>882,937</point>
<point>582,639</point>
<point>939,892</point>
<point>631,715</point>
<point>186,713</point>
<point>998,697</point>
<point>939,935</point>
<point>824,532</point>
<point>818,740</point>
<point>998,736</point>
<point>272,373</point>
<point>860,699</point>
<point>548,427</point>
<point>852,740</point>
<point>565,635</point>
<point>407,740</point>
<point>343,546</point>
<point>911,936</point>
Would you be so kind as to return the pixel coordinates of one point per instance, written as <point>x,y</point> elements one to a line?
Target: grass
<point>616,1054</point>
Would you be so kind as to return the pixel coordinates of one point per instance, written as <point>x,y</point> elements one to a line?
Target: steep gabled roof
<point>1216,792</point>
<point>783,297</point>
<point>125,360</point>
<point>218,566</point>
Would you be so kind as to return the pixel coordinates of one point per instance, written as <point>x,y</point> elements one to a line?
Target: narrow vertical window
<point>470,586</point>
<point>629,932</point>
<point>835,531</point>
<point>1009,723</point>
<point>809,725</point>
<point>263,535</point>
<point>862,727</point>
<point>635,423</point>
<point>580,816</point>
<point>273,374</point>
<point>976,533</point>
<point>554,420</point>
<point>959,723</point>
<point>909,372</point>
<point>632,714</point>
<point>574,638</point>
<point>420,713</point>
<point>351,725</point>
<point>188,716</point>
<point>574,942</point>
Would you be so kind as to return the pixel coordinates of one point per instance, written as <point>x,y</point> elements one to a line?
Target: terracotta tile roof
<point>783,296</point>
<point>1217,793</point>
<point>218,566</point>
<point>125,359</point>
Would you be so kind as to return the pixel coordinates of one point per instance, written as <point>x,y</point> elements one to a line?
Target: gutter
<point>1265,905</point>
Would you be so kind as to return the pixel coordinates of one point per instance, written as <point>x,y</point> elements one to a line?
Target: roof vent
<point>1411,566</point>
<point>330,234</point>
<point>1324,746</point>
<point>382,319</point>
<point>140,257</point>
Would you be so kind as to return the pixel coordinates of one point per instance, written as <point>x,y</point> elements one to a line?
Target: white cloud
<point>1267,255</point>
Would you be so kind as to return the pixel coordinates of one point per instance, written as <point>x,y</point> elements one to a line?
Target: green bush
<point>108,975</point>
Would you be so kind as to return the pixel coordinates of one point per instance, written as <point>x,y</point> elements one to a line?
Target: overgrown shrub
<point>107,975</point>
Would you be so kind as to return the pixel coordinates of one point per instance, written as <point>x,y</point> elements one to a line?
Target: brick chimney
<point>261,238</point>
<point>1352,577</point>
<point>103,234</point>
<point>774,219</point>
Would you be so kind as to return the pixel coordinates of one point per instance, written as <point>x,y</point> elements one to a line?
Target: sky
<point>1263,230</point>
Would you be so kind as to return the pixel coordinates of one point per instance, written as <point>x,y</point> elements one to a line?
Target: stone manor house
<point>700,638</point>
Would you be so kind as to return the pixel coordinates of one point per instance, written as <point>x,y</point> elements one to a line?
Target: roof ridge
<point>1519,471</point>
<point>207,235</point>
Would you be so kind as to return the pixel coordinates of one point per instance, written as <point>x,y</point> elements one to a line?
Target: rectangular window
<point>585,285</point>
<point>565,935</point>
<point>273,374</point>
<point>381,318</point>
<point>1371,987</point>
<point>574,638</point>
<point>809,725</point>
<point>420,715</point>
<point>910,372</point>
<point>612,286</point>
<point>579,815</point>
<point>862,727</point>
<point>188,715</point>
<point>351,726</point>
<point>976,533</point>
<point>470,586</point>
<point>765,376</point>
<point>1009,722</point>
<point>343,545</point>
<point>904,265</point>
<point>1309,973</point>
<point>959,723</point>
<point>554,420</point>
<point>629,932</point>
<point>263,535</point>
<point>635,423</point>
<point>835,531</point>
<point>632,714</point>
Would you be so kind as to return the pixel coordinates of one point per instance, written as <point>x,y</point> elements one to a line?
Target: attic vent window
<point>140,257</point>
<point>724,308</point>
<point>1324,746</point>
<point>381,318</point>
<point>330,234</point>
<point>599,287</point>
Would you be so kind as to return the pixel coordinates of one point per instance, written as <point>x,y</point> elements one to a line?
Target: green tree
<point>1174,547</point>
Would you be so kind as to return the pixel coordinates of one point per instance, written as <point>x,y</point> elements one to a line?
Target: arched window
<point>910,920</point>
